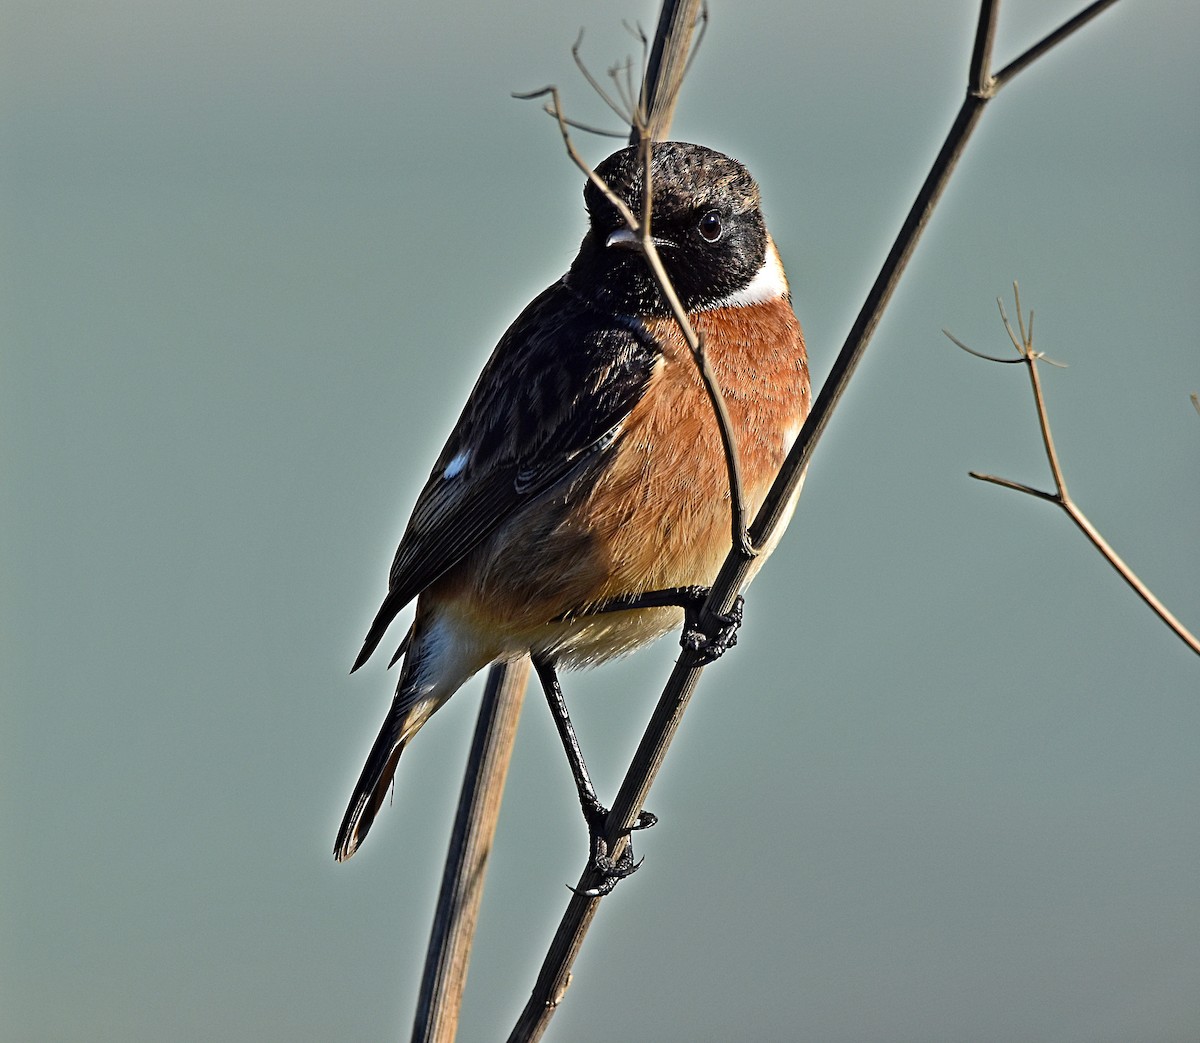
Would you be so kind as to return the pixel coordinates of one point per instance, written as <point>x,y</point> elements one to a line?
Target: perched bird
<point>582,500</point>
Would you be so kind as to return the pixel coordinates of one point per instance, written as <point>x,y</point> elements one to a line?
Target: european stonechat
<point>585,479</point>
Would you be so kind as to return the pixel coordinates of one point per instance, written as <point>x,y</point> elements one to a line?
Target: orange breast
<point>658,515</point>
<point>663,505</point>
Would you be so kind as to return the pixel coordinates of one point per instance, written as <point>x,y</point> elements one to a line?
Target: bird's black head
<point>705,220</point>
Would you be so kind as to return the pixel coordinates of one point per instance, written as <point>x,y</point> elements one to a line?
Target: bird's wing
<point>551,399</point>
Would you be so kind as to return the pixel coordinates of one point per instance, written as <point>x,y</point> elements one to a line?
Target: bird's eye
<point>710,227</point>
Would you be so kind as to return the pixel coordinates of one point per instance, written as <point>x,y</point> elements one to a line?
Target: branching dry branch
<point>1060,496</point>
<point>982,86</point>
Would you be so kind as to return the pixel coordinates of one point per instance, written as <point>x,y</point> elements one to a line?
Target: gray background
<point>253,257</point>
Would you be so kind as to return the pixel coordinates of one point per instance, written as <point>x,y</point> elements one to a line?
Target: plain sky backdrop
<point>252,256</point>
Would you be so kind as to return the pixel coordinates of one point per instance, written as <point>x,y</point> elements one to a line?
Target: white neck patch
<point>769,284</point>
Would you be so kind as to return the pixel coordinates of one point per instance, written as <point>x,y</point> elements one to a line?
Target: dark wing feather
<point>553,396</point>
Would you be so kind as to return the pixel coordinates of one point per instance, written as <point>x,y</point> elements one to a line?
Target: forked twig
<point>1060,496</point>
<point>594,83</point>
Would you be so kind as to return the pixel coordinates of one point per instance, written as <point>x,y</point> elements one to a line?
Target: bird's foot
<point>709,645</point>
<point>611,871</point>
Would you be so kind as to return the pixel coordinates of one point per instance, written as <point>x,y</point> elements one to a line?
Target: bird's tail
<point>402,722</point>
<point>439,655</point>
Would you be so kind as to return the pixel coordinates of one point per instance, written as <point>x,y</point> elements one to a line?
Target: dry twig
<point>449,951</point>
<point>1030,358</point>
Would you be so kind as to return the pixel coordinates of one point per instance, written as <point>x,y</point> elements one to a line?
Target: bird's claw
<point>710,646</point>
<point>600,862</point>
<point>611,872</point>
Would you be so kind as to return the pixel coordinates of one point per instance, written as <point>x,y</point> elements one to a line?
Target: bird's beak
<point>625,238</point>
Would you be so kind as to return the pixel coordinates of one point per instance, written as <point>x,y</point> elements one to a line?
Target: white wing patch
<point>455,467</point>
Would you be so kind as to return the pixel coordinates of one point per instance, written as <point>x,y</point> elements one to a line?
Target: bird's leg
<point>595,814</point>
<point>709,645</point>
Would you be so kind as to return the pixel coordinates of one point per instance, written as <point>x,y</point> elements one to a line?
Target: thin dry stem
<point>594,83</point>
<point>1053,39</point>
<point>677,38</point>
<point>1017,360</point>
<point>701,30</point>
<point>1060,496</point>
<point>452,934</point>
<point>587,128</point>
<point>629,91</point>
